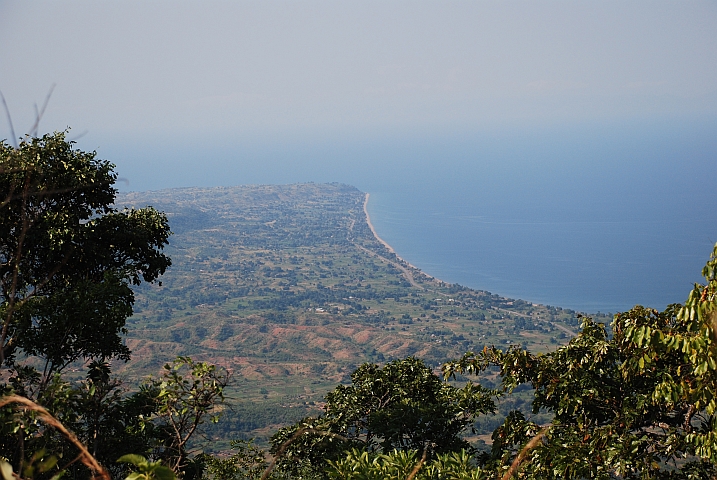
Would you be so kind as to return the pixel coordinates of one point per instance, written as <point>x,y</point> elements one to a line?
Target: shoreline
<point>385,244</point>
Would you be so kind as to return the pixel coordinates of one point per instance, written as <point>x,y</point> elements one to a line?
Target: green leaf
<point>134,459</point>
<point>47,464</point>
<point>58,475</point>
<point>163,473</point>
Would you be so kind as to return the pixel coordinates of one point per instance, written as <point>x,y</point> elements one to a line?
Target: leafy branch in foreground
<point>146,470</point>
<point>398,464</point>
<point>156,422</point>
<point>639,403</point>
<point>188,393</point>
<point>67,256</point>
<point>28,469</point>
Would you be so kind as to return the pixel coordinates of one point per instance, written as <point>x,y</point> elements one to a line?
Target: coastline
<point>384,243</point>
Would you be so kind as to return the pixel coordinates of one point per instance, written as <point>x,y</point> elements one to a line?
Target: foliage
<point>146,470</point>
<point>188,393</point>
<point>157,421</point>
<point>111,420</point>
<point>401,464</point>
<point>694,383</point>
<point>247,461</point>
<point>637,404</point>
<point>405,405</point>
<point>67,256</point>
<point>99,412</point>
<point>42,463</point>
<point>302,449</point>
<point>39,464</point>
<point>402,405</point>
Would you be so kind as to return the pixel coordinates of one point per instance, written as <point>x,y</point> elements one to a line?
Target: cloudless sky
<point>595,116</point>
<point>220,68</point>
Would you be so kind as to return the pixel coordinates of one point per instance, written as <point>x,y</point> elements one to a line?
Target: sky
<point>551,111</point>
<point>265,68</point>
<point>189,93</point>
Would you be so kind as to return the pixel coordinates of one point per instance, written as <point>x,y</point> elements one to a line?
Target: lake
<point>593,221</point>
<point>593,217</point>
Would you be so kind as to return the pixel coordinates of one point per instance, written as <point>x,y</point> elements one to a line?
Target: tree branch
<point>524,453</point>
<point>87,459</point>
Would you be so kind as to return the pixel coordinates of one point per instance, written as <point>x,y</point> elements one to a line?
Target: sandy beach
<point>382,241</point>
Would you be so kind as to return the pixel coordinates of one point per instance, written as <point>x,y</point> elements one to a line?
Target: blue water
<point>593,217</point>
<point>588,266</point>
<point>592,222</point>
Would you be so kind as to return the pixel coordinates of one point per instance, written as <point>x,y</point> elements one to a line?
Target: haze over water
<point>591,217</point>
<point>560,152</point>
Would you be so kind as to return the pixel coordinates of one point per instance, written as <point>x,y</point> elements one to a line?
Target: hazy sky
<point>596,116</point>
<point>271,67</point>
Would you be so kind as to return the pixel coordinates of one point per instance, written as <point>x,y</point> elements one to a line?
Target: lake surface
<point>588,217</point>
<point>590,222</point>
<point>588,266</point>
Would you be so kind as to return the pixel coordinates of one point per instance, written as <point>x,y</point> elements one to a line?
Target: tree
<point>398,464</point>
<point>98,411</point>
<point>186,395</point>
<point>68,256</point>
<point>639,403</point>
<point>247,461</point>
<point>146,470</point>
<point>111,422</point>
<point>402,405</point>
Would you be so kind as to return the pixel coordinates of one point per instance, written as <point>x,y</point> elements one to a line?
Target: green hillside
<point>287,287</point>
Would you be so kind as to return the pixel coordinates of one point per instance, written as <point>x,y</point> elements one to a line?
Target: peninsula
<point>290,287</point>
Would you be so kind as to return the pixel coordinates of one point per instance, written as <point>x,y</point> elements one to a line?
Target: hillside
<point>288,288</point>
